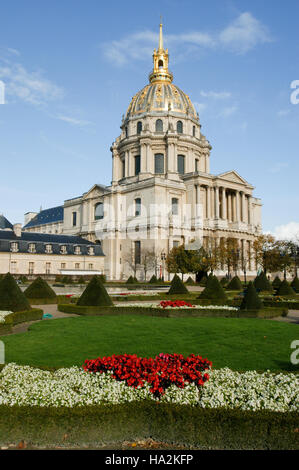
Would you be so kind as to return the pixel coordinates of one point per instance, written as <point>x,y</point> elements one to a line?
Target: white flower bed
<point>27,386</point>
<point>3,314</point>
<point>151,305</point>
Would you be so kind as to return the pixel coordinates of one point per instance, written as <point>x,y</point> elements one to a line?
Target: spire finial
<point>161,35</point>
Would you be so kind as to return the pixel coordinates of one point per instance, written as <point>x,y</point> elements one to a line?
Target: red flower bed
<point>160,373</point>
<point>175,303</point>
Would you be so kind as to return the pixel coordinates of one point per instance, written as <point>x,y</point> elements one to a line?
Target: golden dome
<point>161,95</point>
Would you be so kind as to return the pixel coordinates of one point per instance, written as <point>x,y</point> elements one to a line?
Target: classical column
<point>127,163</point>
<point>224,206</point>
<point>216,202</point>
<point>208,203</point>
<point>238,218</point>
<point>229,207</point>
<point>243,206</point>
<point>250,215</point>
<point>143,160</point>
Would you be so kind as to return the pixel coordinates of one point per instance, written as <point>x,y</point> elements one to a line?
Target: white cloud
<point>278,166</point>
<point>228,111</point>
<point>283,112</point>
<point>243,34</point>
<point>288,231</point>
<point>30,87</point>
<point>217,95</point>
<point>74,121</point>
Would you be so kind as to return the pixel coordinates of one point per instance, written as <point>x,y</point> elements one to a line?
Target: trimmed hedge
<point>171,313</point>
<point>177,286</point>
<point>281,304</point>
<point>34,314</point>
<point>95,294</point>
<point>234,284</point>
<point>164,422</point>
<point>11,296</point>
<point>15,318</point>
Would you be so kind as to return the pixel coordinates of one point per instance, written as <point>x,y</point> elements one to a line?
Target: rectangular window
<point>175,244</point>
<point>31,268</point>
<point>159,163</point>
<point>181,164</point>
<point>137,245</point>
<point>174,206</point>
<point>123,162</point>
<point>90,266</point>
<point>62,266</point>
<point>77,265</point>
<point>196,165</point>
<point>137,164</point>
<point>48,268</point>
<point>13,267</point>
<point>74,214</point>
<point>137,207</point>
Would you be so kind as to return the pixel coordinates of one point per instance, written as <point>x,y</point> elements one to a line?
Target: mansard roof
<point>43,239</point>
<point>47,216</point>
<point>4,223</point>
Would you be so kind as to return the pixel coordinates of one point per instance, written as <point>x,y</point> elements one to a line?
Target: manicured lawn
<point>240,344</point>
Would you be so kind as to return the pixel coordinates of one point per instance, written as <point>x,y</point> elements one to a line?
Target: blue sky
<point>71,67</point>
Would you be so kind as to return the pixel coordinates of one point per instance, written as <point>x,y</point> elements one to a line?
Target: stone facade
<point>162,193</point>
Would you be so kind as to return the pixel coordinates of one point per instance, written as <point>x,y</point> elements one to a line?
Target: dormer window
<point>91,251</point>
<point>14,247</point>
<point>77,250</point>
<point>63,250</point>
<point>31,248</point>
<point>49,249</point>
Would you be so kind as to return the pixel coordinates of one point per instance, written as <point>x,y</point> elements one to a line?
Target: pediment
<point>233,177</point>
<point>96,191</point>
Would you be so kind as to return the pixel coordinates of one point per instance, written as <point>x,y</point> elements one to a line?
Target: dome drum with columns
<point>161,157</point>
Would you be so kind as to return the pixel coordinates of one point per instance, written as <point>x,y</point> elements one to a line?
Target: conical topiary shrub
<point>95,294</point>
<point>203,281</point>
<point>130,280</point>
<point>153,279</point>
<point>276,283</point>
<point>11,296</point>
<point>213,290</point>
<point>177,286</point>
<point>39,289</point>
<point>251,300</point>
<point>235,284</point>
<point>285,289</point>
<point>224,281</point>
<point>295,284</point>
<point>190,282</point>
<point>262,283</point>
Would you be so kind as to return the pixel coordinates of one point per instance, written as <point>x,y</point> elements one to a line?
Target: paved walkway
<point>292,317</point>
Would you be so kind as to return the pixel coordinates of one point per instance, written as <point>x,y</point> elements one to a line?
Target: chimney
<point>17,228</point>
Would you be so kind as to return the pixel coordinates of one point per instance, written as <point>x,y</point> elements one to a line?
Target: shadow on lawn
<point>286,366</point>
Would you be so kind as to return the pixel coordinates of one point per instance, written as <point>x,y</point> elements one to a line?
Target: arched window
<point>179,127</point>
<point>159,163</point>
<point>137,207</point>
<point>181,164</point>
<point>137,165</point>
<point>159,125</point>
<point>99,211</point>
<point>139,127</point>
<point>126,131</point>
<point>193,131</point>
<point>160,64</point>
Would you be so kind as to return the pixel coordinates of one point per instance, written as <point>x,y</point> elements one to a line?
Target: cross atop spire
<point>161,36</point>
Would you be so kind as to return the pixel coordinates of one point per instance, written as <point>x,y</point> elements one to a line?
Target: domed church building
<point>162,193</point>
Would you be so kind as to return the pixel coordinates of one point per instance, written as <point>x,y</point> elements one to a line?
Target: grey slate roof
<point>4,223</point>
<point>43,239</point>
<point>47,216</point>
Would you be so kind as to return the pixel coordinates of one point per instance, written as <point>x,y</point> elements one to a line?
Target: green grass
<point>241,344</point>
